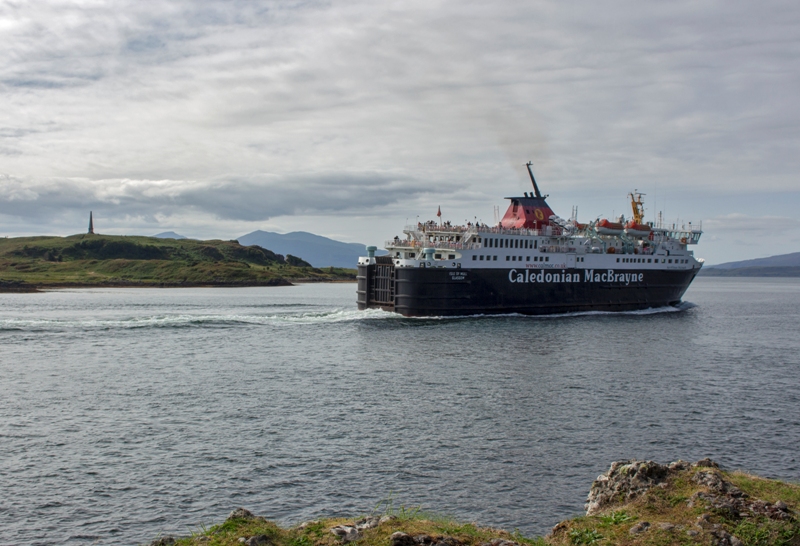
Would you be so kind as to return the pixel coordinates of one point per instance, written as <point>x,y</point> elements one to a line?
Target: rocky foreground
<point>634,503</point>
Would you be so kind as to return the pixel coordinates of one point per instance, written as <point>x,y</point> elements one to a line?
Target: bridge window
<point>495,258</point>
<point>474,257</point>
<point>527,258</point>
<point>481,257</point>
<point>508,258</point>
<point>547,259</point>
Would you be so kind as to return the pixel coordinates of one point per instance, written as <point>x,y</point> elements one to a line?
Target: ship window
<point>451,256</point>
<point>617,260</point>
<point>649,260</point>
<point>527,258</point>
<point>513,258</point>
<point>474,257</point>
<point>547,259</point>
<point>488,243</point>
<point>670,261</point>
<point>437,256</point>
<point>519,258</point>
<point>481,258</point>
<point>516,243</point>
<point>536,244</point>
<point>495,258</point>
<point>508,258</point>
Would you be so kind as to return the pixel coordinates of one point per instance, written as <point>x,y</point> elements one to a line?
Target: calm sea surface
<point>125,413</point>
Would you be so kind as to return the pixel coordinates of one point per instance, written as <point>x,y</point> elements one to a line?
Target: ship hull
<point>454,292</point>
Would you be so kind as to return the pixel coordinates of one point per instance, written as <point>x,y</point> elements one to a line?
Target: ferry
<point>532,262</point>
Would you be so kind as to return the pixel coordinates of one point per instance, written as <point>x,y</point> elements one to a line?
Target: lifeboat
<point>607,227</point>
<point>637,230</point>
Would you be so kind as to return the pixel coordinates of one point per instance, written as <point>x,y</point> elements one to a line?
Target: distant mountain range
<point>169,235</point>
<point>317,250</point>
<point>784,265</point>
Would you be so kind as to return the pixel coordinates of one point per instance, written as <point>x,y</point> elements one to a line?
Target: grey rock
<point>257,540</point>
<point>242,540</point>
<point>723,538</point>
<point>423,539</point>
<point>399,538</point>
<point>692,533</point>
<point>502,542</point>
<point>639,528</point>
<point>369,522</point>
<point>240,513</point>
<point>386,519</point>
<point>705,463</point>
<point>679,465</point>
<point>626,480</point>
<point>163,541</point>
<point>780,505</point>
<point>346,533</point>
<point>666,526</point>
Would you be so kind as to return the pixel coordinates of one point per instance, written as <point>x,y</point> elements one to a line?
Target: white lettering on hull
<point>589,275</point>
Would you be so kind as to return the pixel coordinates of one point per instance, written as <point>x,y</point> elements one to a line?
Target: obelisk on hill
<point>91,224</point>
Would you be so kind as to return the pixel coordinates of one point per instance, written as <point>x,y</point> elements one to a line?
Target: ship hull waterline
<point>421,292</point>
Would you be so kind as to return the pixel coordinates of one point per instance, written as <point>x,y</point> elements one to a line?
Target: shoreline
<point>634,503</point>
<point>24,288</point>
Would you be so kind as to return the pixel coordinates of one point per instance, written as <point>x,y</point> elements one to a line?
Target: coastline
<point>25,288</point>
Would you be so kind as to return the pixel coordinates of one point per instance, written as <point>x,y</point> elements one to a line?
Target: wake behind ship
<point>533,262</point>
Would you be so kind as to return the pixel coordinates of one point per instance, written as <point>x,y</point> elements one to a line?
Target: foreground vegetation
<point>678,512</point>
<point>106,260</point>
<point>680,509</point>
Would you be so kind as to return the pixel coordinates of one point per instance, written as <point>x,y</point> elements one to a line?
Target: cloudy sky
<point>347,119</point>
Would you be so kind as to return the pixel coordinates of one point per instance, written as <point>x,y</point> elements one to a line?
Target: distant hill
<point>169,235</point>
<point>782,260</point>
<point>784,265</point>
<point>317,250</point>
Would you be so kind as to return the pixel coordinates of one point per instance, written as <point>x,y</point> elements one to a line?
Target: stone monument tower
<point>91,224</point>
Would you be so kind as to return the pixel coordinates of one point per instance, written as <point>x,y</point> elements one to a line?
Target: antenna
<point>533,180</point>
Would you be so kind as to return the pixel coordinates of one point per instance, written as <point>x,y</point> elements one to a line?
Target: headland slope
<point>89,260</point>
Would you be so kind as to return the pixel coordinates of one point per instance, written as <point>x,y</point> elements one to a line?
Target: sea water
<point>129,413</point>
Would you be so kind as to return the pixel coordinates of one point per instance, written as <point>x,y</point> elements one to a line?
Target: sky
<point>352,119</point>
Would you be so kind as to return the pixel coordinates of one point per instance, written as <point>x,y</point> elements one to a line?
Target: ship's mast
<point>533,180</point>
<point>637,206</point>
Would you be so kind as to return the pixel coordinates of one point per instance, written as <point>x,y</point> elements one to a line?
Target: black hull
<point>417,292</point>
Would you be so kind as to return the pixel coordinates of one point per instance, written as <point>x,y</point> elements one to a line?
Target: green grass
<point>104,260</point>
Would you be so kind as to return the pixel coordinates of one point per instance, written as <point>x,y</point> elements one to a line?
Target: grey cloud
<point>601,96</point>
<point>242,198</point>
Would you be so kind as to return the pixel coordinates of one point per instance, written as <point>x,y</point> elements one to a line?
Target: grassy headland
<point>106,260</point>
<point>636,503</point>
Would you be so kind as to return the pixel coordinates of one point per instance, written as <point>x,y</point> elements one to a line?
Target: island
<point>90,260</point>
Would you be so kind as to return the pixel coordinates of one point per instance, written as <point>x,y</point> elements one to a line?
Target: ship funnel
<point>371,251</point>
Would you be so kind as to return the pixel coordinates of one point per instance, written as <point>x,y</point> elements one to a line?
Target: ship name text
<point>589,275</point>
